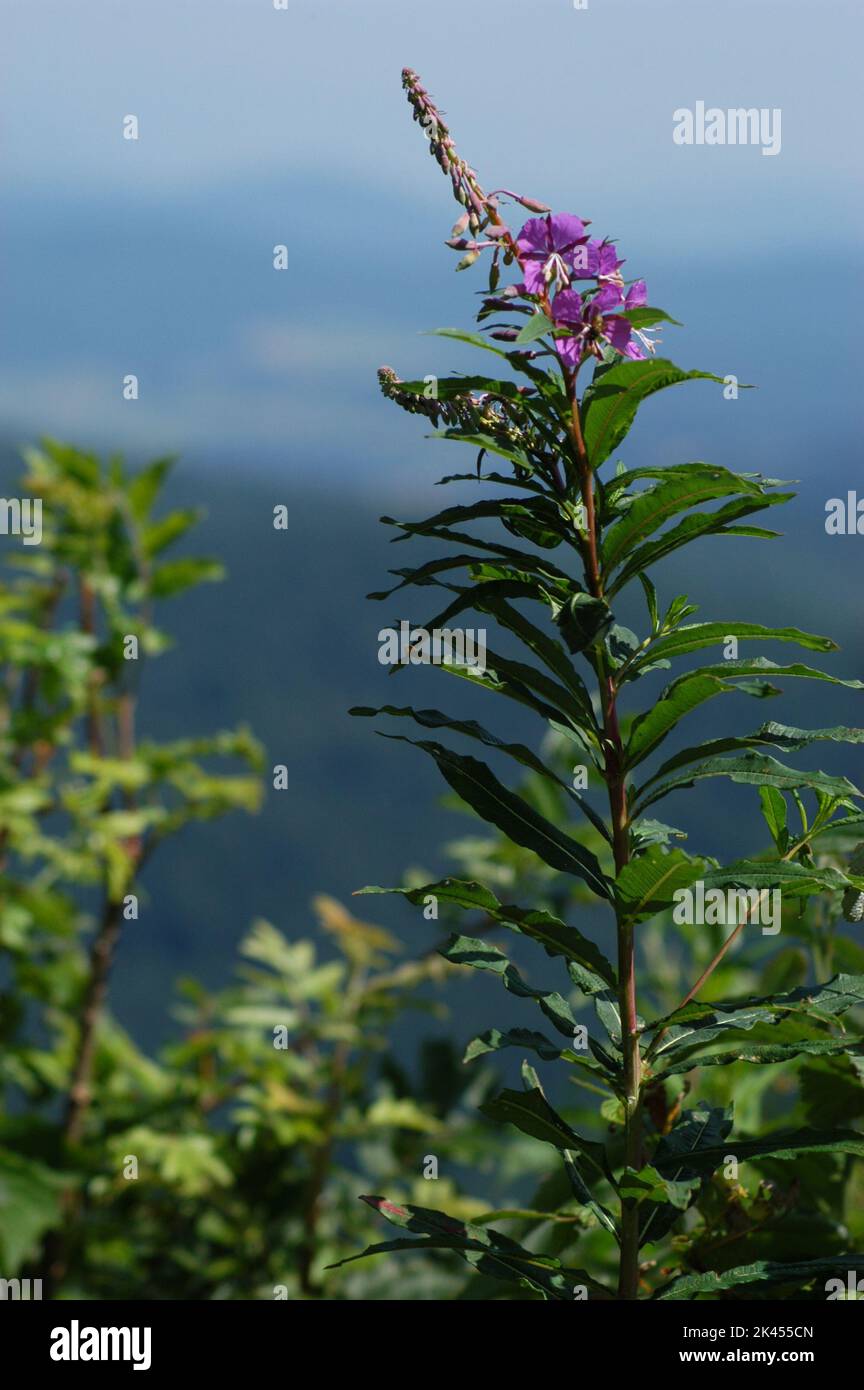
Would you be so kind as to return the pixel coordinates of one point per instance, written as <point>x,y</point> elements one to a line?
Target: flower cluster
<point>552,252</point>
<point>555,251</point>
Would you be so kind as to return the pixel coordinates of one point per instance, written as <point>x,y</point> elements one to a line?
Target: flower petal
<point>567,307</point>
<point>534,238</point>
<point>565,230</point>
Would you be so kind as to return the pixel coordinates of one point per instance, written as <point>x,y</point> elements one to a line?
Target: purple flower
<point>546,246</point>
<point>597,260</point>
<point>592,325</point>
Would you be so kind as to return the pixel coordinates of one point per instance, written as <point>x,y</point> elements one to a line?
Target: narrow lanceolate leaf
<point>485,1249</point>
<point>555,936</point>
<point>423,575</point>
<point>696,1023</point>
<point>775,812</point>
<point>611,401</point>
<point>489,444</point>
<point>761,666</point>
<point>480,788</point>
<point>527,686</point>
<point>767,1054</point>
<point>648,883</point>
<point>698,1128</point>
<point>702,1127</point>
<point>493,1040</point>
<point>461,336</point>
<point>537,325</point>
<point>780,1145</point>
<point>678,490</point>
<point>488,507</point>
<point>649,730</point>
<point>582,1192</point>
<point>771,735</point>
<point>647,1185</point>
<point>767,1272</point>
<point>750,768</point>
<point>486,598</point>
<point>434,719</point>
<point>721,523</point>
<point>663,1201</point>
<point>457,387</point>
<point>646,317</point>
<point>482,955</point>
<point>530,1112</point>
<point>694,636</point>
<point>793,879</point>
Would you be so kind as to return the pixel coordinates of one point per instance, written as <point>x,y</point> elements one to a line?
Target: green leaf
<point>771,735</point>
<point>610,403</point>
<point>523,683</point>
<point>650,729</point>
<point>767,1272</point>
<point>30,1197</point>
<point>472,339</point>
<point>178,575</point>
<point>557,938</point>
<point>480,789</point>
<point>646,317</point>
<point>679,489</point>
<point>751,768</point>
<point>489,443</point>
<point>163,533</point>
<point>699,1128</point>
<point>490,597</point>
<point>767,1054</point>
<point>761,666</point>
<point>482,955</point>
<point>720,522</point>
<point>145,487</point>
<point>485,1249</point>
<point>531,1113</point>
<point>773,804</point>
<point>434,719</point>
<point>537,325</point>
<point>841,993</point>
<point>582,620</point>
<point>783,1145</point>
<point>795,880</point>
<point>648,1186</point>
<point>694,636</point>
<point>493,1040</point>
<point>647,885</point>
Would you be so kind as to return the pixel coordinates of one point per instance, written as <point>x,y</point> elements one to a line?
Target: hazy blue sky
<point>260,126</point>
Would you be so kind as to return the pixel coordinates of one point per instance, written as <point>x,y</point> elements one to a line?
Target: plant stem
<point>613,755</point>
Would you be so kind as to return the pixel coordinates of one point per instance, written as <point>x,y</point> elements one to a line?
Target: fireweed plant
<point>577,339</point>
